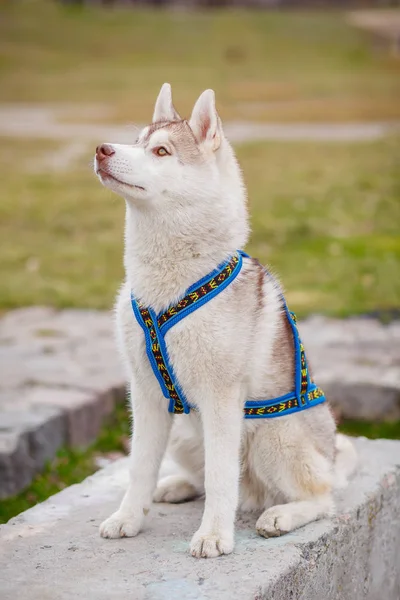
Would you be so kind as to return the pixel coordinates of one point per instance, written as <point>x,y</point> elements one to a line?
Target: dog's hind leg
<point>175,489</point>
<point>345,460</point>
<point>300,477</point>
<point>184,463</point>
<point>282,518</point>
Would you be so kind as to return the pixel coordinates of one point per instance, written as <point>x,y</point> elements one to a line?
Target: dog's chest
<point>206,349</point>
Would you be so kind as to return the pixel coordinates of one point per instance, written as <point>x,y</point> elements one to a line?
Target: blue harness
<point>305,394</point>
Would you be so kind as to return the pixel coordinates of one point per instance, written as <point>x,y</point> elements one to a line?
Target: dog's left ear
<point>205,122</point>
<point>164,109</point>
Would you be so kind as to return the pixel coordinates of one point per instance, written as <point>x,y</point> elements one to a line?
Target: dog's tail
<point>345,461</point>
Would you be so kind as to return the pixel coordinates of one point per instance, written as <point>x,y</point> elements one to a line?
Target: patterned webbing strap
<point>156,326</point>
<point>305,394</point>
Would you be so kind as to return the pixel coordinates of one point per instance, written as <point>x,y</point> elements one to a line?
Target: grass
<point>387,429</point>
<point>264,65</point>
<point>70,466</point>
<point>325,217</point>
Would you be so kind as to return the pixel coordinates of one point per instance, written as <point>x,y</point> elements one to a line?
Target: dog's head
<point>173,162</point>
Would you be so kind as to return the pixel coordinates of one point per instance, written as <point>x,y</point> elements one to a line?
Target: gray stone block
<point>27,440</point>
<point>43,420</point>
<point>52,362</point>
<point>54,552</point>
<point>356,362</point>
<point>83,412</point>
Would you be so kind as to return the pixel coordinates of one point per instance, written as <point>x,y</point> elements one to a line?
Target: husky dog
<point>186,213</point>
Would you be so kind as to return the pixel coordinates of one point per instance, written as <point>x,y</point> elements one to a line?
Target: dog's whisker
<point>134,126</point>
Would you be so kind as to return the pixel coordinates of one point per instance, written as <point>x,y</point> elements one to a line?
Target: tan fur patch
<point>283,349</point>
<point>158,125</point>
<point>260,282</point>
<point>311,474</point>
<point>316,487</point>
<point>181,137</point>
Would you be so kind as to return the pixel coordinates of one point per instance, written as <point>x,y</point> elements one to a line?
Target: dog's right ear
<point>164,109</point>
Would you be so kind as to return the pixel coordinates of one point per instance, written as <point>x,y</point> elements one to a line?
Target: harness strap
<point>201,292</point>
<point>158,356</point>
<point>306,392</point>
<point>155,327</point>
<point>284,405</point>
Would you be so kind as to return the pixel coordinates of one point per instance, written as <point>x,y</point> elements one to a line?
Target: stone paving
<point>357,362</point>
<point>54,551</point>
<point>60,375</point>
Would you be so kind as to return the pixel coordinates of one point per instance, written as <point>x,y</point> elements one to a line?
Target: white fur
<point>187,215</point>
<point>164,109</point>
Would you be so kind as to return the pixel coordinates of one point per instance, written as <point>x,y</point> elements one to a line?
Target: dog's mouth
<point>106,175</point>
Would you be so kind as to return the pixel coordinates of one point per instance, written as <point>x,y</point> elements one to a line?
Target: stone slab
<point>27,441</point>
<point>60,375</point>
<point>357,363</point>
<point>53,551</point>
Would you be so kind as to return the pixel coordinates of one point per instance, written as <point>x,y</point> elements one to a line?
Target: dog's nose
<point>104,151</point>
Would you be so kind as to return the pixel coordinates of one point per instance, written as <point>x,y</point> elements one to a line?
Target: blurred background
<point>308,91</point>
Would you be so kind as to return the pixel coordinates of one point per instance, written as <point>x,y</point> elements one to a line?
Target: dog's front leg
<point>151,427</point>
<point>222,422</point>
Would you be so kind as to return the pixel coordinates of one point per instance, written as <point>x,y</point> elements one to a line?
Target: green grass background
<point>264,65</point>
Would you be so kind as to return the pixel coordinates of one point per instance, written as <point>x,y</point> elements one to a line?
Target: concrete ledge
<point>53,551</point>
<point>60,376</point>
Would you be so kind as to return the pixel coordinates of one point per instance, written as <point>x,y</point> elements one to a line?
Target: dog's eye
<point>161,151</point>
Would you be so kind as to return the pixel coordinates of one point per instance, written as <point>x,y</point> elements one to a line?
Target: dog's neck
<point>167,251</point>
<point>163,258</point>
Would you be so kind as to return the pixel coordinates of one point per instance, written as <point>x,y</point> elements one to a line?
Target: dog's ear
<point>164,109</point>
<point>205,122</point>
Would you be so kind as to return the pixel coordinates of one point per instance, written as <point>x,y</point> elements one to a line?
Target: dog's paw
<point>174,489</point>
<point>274,522</point>
<point>210,545</point>
<point>120,525</point>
